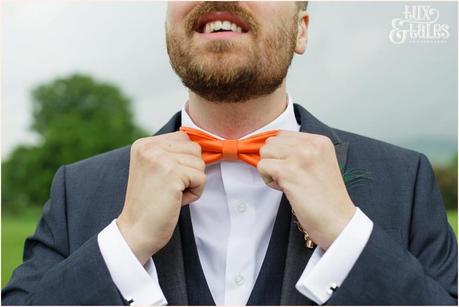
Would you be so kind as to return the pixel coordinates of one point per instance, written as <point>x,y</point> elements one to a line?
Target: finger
<point>305,137</point>
<point>270,171</point>
<point>178,135</point>
<point>170,143</point>
<point>284,139</point>
<point>190,161</point>
<point>182,147</point>
<point>275,151</point>
<point>284,135</point>
<point>194,182</point>
<point>288,133</point>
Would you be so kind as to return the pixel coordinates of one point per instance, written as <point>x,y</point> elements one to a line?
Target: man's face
<point>231,51</point>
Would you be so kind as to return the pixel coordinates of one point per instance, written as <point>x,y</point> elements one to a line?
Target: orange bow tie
<point>213,149</point>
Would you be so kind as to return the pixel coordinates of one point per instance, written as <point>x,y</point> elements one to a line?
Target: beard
<point>229,71</point>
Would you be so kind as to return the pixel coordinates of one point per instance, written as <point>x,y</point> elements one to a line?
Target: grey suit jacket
<point>410,258</point>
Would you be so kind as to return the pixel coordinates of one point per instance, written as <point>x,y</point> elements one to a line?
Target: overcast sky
<point>351,77</point>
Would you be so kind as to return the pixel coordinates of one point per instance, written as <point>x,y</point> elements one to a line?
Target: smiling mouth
<point>215,22</point>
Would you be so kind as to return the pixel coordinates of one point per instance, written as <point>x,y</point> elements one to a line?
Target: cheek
<point>268,12</point>
<point>275,22</point>
<point>177,11</point>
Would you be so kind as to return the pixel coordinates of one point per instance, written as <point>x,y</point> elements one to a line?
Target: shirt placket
<point>240,275</point>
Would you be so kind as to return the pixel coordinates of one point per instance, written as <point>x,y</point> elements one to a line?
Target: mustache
<point>191,21</point>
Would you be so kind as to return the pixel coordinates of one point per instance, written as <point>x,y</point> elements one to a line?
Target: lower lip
<point>221,35</point>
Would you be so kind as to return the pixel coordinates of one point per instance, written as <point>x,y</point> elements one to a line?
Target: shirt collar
<point>285,121</point>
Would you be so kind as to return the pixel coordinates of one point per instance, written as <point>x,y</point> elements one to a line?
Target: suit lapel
<point>310,124</point>
<point>169,260</point>
<point>297,254</point>
<point>171,270</point>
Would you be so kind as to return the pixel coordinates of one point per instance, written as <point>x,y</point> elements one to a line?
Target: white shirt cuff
<point>138,284</point>
<point>326,271</point>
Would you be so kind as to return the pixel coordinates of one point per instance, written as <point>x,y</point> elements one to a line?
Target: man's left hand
<point>304,166</point>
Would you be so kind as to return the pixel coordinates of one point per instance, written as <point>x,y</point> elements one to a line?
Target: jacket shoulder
<point>94,193</point>
<point>111,164</point>
<point>376,148</point>
<point>115,156</point>
<point>382,158</point>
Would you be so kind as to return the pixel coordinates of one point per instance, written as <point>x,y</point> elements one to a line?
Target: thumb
<point>269,170</point>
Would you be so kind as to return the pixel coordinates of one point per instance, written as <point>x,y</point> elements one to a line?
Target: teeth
<point>209,28</point>
<point>226,25</point>
<point>217,25</point>
<point>221,25</point>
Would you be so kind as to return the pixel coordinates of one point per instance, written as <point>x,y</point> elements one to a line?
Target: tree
<point>75,117</point>
<point>447,182</point>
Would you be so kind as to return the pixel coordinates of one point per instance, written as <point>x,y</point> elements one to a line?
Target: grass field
<point>16,228</point>
<point>14,231</point>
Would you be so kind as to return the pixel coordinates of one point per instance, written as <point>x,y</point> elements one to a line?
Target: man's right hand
<point>165,173</point>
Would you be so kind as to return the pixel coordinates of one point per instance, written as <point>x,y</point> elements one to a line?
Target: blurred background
<point>84,77</point>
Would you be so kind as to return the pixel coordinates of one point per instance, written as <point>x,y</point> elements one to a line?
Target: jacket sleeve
<point>387,273</point>
<point>50,275</point>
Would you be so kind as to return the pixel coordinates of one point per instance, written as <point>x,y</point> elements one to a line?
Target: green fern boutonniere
<point>354,177</point>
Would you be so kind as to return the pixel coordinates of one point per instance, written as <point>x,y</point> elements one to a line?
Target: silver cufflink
<point>130,301</point>
<point>332,288</point>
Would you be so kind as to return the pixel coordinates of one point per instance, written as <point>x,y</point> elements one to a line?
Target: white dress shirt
<point>232,224</point>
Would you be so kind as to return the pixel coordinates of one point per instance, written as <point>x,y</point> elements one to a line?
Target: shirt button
<point>240,206</point>
<point>239,279</point>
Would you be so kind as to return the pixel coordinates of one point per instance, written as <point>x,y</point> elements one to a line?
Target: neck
<point>235,120</point>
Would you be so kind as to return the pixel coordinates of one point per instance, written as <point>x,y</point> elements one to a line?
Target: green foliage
<point>75,117</point>
<point>15,229</point>
<point>447,182</point>
<point>24,177</point>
